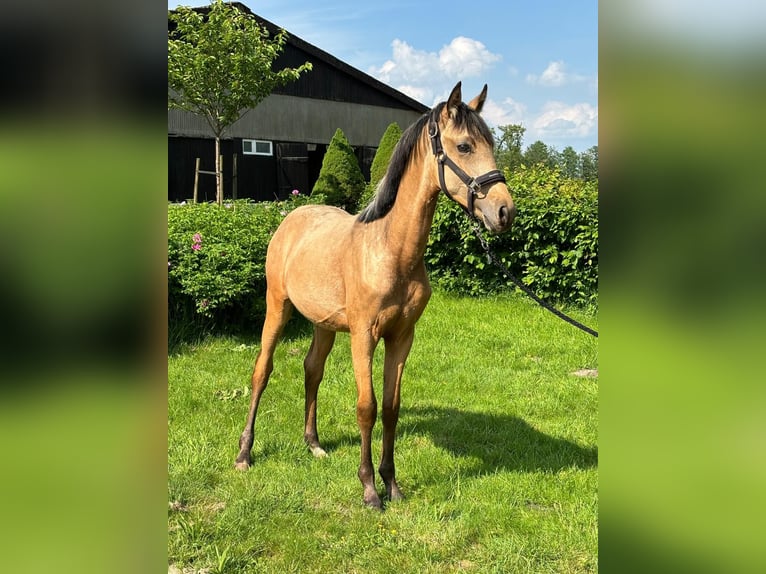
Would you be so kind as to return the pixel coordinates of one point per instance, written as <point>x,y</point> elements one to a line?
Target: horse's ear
<point>453,102</point>
<point>478,102</point>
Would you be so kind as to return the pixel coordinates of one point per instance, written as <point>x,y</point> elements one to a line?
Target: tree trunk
<point>196,179</point>
<point>218,174</point>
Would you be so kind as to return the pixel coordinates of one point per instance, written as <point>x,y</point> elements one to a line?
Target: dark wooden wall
<point>261,178</point>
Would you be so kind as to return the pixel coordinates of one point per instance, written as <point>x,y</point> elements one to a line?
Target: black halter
<point>474,185</point>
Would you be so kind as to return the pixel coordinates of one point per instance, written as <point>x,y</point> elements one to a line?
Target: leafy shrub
<point>380,162</point>
<point>340,178</point>
<point>552,246</point>
<point>216,257</point>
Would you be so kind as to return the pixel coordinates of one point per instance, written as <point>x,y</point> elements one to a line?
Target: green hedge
<point>216,255</point>
<point>552,246</point>
<point>216,258</point>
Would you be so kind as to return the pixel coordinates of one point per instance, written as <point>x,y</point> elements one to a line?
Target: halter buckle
<point>436,144</point>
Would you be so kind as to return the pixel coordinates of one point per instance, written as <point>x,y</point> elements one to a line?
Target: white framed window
<point>257,147</point>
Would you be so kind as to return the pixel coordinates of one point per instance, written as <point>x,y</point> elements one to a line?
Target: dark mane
<point>385,195</point>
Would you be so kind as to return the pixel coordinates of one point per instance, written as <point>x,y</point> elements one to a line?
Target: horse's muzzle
<point>498,218</point>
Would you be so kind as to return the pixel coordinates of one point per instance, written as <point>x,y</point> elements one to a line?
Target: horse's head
<point>466,169</point>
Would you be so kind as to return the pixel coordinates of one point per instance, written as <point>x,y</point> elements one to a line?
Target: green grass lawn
<point>496,452</point>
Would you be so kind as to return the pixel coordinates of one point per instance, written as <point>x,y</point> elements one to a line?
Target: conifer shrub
<point>381,160</point>
<point>340,179</point>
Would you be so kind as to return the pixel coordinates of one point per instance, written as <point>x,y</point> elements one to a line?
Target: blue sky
<point>540,59</point>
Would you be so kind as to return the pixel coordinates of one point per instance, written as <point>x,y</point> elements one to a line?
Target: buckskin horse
<point>365,274</point>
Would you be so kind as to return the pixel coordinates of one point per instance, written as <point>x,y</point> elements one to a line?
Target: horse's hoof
<point>242,465</point>
<point>373,502</point>
<point>318,451</point>
<point>395,496</point>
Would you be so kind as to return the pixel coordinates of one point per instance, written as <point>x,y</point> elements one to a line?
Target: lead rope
<point>493,259</point>
<point>474,185</point>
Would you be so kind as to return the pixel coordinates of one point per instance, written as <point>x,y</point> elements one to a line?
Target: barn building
<point>279,145</point>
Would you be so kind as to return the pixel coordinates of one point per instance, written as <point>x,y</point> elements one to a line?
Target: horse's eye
<point>463,148</point>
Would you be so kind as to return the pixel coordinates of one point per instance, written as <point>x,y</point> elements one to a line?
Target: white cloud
<point>505,113</point>
<point>418,93</point>
<point>464,57</point>
<point>428,77</point>
<point>407,65</point>
<point>433,74</point>
<point>554,76</point>
<point>559,120</point>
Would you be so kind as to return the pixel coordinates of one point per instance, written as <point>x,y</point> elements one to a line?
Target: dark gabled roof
<point>332,61</point>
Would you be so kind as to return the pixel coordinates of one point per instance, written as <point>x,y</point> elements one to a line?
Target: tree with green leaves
<point>340,178</point>
<point>380,162</point>
<point>539,153</point>
<point>508,146</point>
<point>569,161</point>
<point>589,164</point>
<point>220,67</point>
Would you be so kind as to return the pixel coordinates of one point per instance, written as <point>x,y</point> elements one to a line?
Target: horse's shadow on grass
<point>493,441</point>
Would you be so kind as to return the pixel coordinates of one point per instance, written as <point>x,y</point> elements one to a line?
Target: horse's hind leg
<point>313,367</point>
<point>277,314</point>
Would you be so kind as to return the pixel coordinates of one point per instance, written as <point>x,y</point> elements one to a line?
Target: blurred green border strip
<point>682,404</point>
<point>84,403</point>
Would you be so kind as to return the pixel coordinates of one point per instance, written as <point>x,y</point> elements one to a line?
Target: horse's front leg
<point>397,350</point>
<point>362,348</point>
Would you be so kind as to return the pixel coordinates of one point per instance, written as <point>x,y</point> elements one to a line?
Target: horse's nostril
<point>506,214</point>
<point>503,215</point>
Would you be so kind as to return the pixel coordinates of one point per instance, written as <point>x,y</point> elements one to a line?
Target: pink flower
<point>196,246</point>
<point>197,238</point>
<point>295,192</point>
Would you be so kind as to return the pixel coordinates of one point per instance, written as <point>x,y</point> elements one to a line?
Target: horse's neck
<point>409,221</point>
